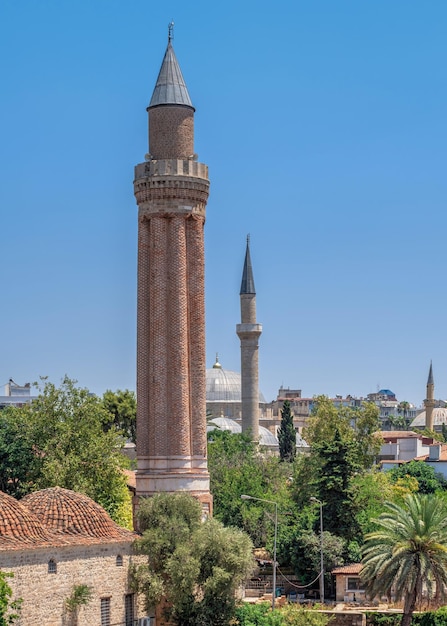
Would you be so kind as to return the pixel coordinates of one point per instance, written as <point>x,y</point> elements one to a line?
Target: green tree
<point>338,464</point>
<point>71,449</point>
<point>407,551</point>
<point>122,405</point>
<point>19,466</point>
<point>9,609</point>
<point>428,480</point>
<point>237,468</point>
<point>287,434</point>
<point>305,555</point>
<point>194,568</point>
<point>359,425</point>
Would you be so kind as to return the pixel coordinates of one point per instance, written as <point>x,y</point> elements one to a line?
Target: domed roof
<point>72,513</point>
<point>17,522</point>
<point>266,438</point>
<point>439,418</point>
<point>224,385</point>
<point>224,423</point>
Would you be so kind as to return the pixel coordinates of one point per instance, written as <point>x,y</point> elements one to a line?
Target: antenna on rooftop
<point>170,30</point>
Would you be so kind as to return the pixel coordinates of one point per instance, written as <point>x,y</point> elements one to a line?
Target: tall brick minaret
<point>429,402</point>
<point>249,332</point>
<point>171,190</point>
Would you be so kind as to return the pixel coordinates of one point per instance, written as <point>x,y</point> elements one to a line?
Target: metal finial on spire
<point>248,239</point>
<point>170,30</point>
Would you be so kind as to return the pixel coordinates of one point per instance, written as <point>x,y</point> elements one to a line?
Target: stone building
<point>55,540</point>
<point>171,190</point>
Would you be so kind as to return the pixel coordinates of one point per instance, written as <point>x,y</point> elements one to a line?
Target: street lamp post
<point>245,497</point>
<point>321,549</point>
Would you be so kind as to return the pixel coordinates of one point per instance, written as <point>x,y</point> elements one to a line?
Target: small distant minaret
<point>249,332</point>
<point>430,400</point>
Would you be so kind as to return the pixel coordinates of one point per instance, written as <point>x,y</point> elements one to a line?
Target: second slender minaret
<point>249,332</point>
<point>430,400</point>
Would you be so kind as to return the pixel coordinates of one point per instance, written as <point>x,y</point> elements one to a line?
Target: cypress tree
<point>287,434</point>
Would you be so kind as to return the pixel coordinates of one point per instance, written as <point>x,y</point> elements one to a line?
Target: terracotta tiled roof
<point>73,513</point>
<point>18,522</point>
<point>56,517</point>
<point>353,568</point>
<point>398,434</point>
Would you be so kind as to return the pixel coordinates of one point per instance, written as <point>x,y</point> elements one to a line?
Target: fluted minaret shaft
<point>249,332</point>
<point>430,400</point>
<point>171,190</point>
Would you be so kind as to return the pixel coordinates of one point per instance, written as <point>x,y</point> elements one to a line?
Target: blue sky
<point>323,123</point>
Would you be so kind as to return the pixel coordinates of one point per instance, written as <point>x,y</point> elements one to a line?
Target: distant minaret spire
<point>249,332</point>
<point>430,400</point>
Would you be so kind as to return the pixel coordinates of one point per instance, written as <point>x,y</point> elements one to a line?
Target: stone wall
<point>44,593</point>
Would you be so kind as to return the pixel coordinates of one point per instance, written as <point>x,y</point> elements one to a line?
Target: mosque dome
<point>224,385</point>
<point>266,438</point>
<point>72,513</point>
<point>439,418</point>
<point>17,522</point>
<point>224,423</point>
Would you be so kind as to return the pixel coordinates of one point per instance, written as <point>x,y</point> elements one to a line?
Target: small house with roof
<point>348,584</point>
<point>54,541</point>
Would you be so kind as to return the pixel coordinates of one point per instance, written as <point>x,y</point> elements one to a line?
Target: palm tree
<point>408,552</point>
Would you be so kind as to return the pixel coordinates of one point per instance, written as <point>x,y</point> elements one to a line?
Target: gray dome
<point>266,438</point>
<point>439,418</point>
<point>224,423</point>
<point>224,385</point>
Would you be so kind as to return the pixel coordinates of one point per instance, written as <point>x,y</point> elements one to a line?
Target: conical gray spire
<point>430,380</point>
<point>170,87</point>
<point>248,283</point>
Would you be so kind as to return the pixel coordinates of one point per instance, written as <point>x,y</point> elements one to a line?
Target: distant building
<point>16,395</point>
<point>402,446</point>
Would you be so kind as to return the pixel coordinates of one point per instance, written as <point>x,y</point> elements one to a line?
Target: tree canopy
<point>64,442</point>
<point>194,567</point>
<point>122,407</point>
<point>427,478</point>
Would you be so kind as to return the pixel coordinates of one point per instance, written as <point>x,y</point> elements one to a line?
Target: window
<point>119,561</point>
<point>52,567</point>
<point>353,584</point>
<point>105,611</point>
<point>129,609</point>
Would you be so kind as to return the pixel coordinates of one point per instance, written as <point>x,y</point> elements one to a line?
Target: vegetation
<point>237,468</point>
<point>287,434</point>
<point>80,596</point>
<point>290,615</point>
<point>408,550</point>
<point>9,609</point>
<point>427,479</point>
<point>63,443</point>
<point>193,566</point>
<point>122,407</point>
